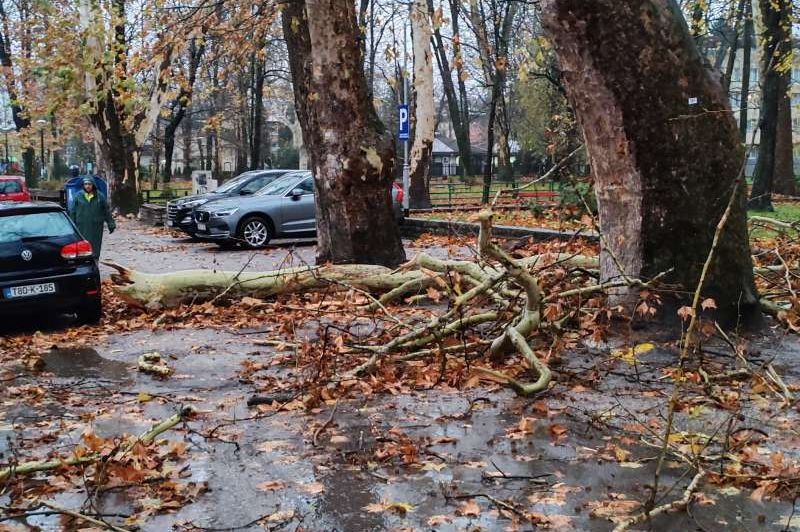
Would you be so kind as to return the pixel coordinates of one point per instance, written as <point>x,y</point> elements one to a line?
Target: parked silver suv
<point>285,208</point>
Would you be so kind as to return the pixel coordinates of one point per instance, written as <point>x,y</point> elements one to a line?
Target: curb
<point>415,226</point>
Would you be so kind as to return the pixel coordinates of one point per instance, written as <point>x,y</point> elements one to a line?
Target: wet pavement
<point>155,250</point>
<point>557,457</point>
<point>437,459</point>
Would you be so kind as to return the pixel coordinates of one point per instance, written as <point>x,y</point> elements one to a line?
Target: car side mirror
<point>245,192</point>
<point>296,193</point>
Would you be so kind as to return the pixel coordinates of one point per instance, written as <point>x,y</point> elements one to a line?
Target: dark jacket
<point>89,217</point>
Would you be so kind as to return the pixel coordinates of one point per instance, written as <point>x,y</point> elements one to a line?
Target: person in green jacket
<point>89,211</point>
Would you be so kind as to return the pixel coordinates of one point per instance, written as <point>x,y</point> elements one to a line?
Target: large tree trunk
<point>784,149</point>
<point>420,165</point>
<point>352,155</point>
<point>776,16</point>
<point>120,150</point>
<point>661,188</point>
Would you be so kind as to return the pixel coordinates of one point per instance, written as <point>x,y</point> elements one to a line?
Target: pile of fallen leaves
<point>777,261</point>
<point>154,474</point>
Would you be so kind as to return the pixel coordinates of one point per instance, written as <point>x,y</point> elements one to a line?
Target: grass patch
<point>784,211</point>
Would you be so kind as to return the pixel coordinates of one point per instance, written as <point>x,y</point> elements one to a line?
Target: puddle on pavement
<point>84,363</point>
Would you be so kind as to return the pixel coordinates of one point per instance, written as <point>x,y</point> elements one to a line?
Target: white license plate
<point>169,223</point>
<point>201,226</point>
<point>29,290</point>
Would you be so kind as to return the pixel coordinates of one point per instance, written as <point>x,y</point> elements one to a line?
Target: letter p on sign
<point>402,123</point>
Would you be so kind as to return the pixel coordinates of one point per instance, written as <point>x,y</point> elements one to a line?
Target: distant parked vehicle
<point>45,264</point>
<point>283,209</point>
<point>13,188</point>
<point>179,212</point>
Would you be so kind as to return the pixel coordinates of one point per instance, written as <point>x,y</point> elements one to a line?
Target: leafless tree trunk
<point>784,149</point>
<point>351,153</point>
<point>187,148</point>
<point>180,104</point>
<point>775,72</point>
<point>457,102</point>
<point>660,190</point>
<point>734,46</point>
<point>425,117</point>
<point>747,47</point>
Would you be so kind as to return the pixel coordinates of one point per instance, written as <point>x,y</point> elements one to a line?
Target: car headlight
<point>225,212</point>
<point>194,203</point>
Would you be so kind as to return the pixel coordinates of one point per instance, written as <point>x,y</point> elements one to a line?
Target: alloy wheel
<point>255,233</point>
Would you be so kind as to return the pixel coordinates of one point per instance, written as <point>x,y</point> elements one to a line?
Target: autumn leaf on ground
<point>521,429</point>
<point>270,485</point>
<point>469,509</point>
<point>557,431</point>
<point>708,303</point>
<point>271,445</point>
<point>629,354</point>
<point>400,508</point>
<point>615,510</point>
<point>438,520</point>
<point>433,466</point>
<point>312,488</point>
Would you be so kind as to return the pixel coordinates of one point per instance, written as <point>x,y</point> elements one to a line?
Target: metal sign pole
<point>405,102</point>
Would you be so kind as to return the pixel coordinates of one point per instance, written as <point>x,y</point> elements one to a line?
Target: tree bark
<point>661,189</point>
<point>256,158</point>
<point>784,149</point>
<point>121,151</point>
<point>351,153</point>
<point>775,72</point>
<point>734,47</point>
<point>420,165</point>
<point>744,93</point>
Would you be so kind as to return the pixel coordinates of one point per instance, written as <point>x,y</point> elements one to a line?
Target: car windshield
<point>282,185</point>
<point>8,186</point>
<point>19,227</point>
<point>233,183</point>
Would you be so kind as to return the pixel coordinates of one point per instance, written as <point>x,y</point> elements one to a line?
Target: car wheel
<point>255,232</point>
<point>90,312</point>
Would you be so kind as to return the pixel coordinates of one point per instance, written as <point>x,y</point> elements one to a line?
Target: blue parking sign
<point>402,124</point>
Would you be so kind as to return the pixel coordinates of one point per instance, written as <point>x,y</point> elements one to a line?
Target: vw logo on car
<point>26,255</point>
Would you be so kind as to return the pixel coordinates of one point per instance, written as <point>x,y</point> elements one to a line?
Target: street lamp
<point>41,123</point>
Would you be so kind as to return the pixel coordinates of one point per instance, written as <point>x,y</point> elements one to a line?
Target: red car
<point>12,188</point>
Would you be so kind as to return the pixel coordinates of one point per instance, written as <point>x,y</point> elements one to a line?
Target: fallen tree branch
<point>145,438</point>
<point>679,504</point>
<point>153,363</point>
<point>324,425</point>
<point>83,517</point>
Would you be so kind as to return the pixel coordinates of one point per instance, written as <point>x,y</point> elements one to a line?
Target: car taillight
<point>77,250</point>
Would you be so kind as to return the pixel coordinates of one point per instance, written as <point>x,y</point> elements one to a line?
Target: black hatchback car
<point>45,264</point>
<point>179,212</point>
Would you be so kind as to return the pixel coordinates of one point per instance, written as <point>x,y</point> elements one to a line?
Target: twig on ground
<point>324,425</point>
<point>679,504</point>
<point>83,517</point>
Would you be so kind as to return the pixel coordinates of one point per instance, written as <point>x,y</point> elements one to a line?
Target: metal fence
<point>463,195</point>
<point>161,197</point>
